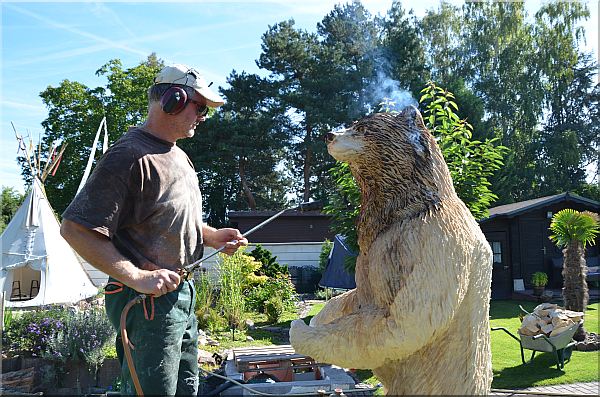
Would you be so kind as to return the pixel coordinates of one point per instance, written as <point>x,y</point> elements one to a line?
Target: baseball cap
<point>184,75</point>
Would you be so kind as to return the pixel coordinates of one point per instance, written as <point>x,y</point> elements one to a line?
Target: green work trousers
<point>165,353</point>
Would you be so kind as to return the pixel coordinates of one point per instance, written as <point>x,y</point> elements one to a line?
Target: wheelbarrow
<point>561,345</point>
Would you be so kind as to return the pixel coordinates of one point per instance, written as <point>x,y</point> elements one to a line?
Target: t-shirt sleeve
<point>102,203</point>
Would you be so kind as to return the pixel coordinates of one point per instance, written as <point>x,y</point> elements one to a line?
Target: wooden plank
<point>265,349</point>
<point>267,358</point>
<point>264,354</point>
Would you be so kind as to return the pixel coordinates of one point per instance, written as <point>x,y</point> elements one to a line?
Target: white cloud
<point>78,32</point>
<point>23,106</point>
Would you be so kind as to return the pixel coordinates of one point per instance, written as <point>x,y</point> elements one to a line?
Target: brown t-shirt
<point>143,194</point>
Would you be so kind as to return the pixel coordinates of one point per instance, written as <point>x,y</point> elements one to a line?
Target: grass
<point>510,372</point>
<point>261,337</point>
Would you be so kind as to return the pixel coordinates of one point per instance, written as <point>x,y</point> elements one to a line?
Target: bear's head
<point>395,161</point>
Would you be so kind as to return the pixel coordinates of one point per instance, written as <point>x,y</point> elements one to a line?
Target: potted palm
<point>539,281</point>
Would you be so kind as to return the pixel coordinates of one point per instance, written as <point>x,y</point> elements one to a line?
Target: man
<point>139,219</point>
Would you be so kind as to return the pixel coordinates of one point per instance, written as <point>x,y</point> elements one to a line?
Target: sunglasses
<point>201,109</point>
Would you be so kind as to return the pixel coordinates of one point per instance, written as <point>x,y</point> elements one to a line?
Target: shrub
<point>234,272</point>
<point>204,295</point>
<point>280,286</point>
<point>274,309</point>
<point>270,267</point>
<point>539,279</point>
<point>28,333</point>
<point>328,293</point>
<point>212,321</point>
<point>8,316</point>
<point>83,337</point>
<point>324,255</point>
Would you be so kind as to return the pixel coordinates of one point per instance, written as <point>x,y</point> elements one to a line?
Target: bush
<point>83,337</point>
<point>234,272</point>
<point>270,267</point>
<point>324,255</point>
<point>212,321</point>
<point>274,309</point>
<point>328,293</point>
<point>280,286</point>
<point>539,279</point>
<point>204,295</point>
<point>60,334</point>
<point>28,333</point>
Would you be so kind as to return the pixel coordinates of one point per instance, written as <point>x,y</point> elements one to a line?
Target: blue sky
<point>44,43</point>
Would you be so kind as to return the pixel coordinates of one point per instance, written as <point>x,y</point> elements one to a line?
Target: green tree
<point>471,162</point>
<point>10,202</point>
<point>75,112</point>
<point>573,230</point>
<point>290,55</point>
<point>497,49</point>
<point>525,75</point>
<point>270,267</point>
<point>125,97</point>
<point>343,207</point>
<point>589,190</point>
<point>403,49</point>
<point>319,78</point>
<point>570,131</point>
<point>238,150</point>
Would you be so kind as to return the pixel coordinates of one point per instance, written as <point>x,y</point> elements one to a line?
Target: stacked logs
<point>548,319</point>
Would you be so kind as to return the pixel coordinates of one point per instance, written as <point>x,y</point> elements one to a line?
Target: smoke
<point>385,94</point>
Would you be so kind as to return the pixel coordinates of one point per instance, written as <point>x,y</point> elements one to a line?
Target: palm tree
<point>573,230</point>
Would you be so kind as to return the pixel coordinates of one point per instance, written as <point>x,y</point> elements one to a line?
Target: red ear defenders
<point>174,100</point>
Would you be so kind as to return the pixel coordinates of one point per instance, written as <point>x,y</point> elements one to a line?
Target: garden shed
<point>518,234</point>
<point>295,238</point>
<point>291,226</point>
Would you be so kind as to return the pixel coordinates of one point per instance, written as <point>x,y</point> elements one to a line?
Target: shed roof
<point>266,214</point>
<point>514,209</point>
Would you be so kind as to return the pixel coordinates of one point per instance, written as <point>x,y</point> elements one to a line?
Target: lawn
<point>509,371</point>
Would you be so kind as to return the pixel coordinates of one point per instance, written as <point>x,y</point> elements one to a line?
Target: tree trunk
<point>575,289</point>
<point>245,187</point>
<point>307,163</point>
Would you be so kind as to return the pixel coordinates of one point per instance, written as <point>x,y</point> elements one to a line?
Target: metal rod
<point>191,267</point>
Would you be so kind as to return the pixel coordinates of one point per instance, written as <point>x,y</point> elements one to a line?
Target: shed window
<point>497,250</point>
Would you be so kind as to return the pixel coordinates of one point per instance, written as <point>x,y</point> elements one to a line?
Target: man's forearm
<point>208,236</point>
<point>100,252</point>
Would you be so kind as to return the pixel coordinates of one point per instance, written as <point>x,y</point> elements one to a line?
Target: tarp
<point>38,266</point>
<point>335,274</point>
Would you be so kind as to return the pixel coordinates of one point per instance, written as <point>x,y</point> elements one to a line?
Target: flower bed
<point>65,345</point>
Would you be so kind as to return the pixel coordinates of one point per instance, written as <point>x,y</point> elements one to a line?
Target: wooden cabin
<point>518,234</point>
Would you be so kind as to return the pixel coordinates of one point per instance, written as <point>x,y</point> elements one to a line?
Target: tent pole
<point>2,311</point>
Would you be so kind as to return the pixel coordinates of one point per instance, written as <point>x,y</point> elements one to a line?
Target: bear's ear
<point>415,129</point>
<point>412,113</point>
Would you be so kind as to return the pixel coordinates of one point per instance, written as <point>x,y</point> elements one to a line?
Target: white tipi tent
<point>38,266</point>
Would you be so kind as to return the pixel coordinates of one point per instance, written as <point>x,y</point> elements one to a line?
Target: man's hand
<point>155,282</point>
<point>230,238</point>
